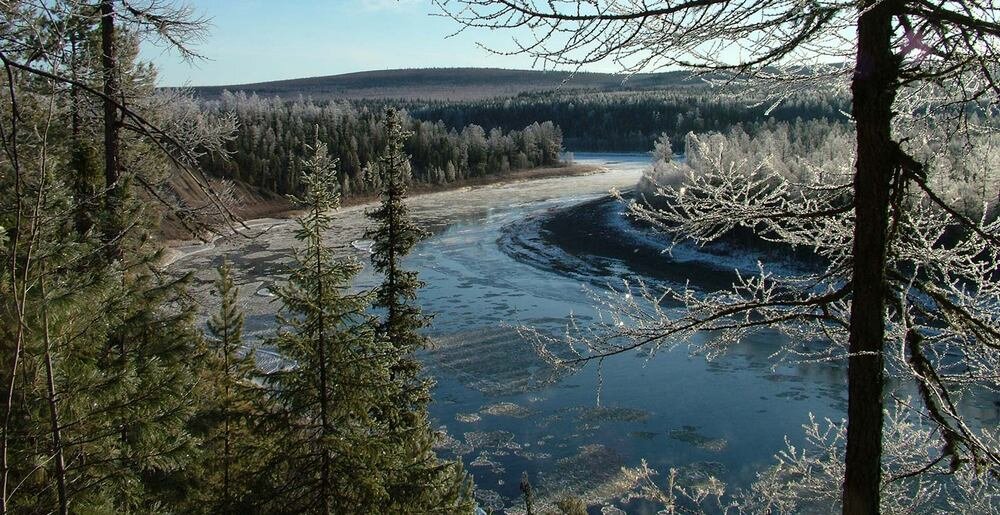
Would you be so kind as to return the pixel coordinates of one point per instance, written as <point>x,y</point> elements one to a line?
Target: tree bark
<point>59,461</point>
<point>115,190</point>
<point>874,88</point>
<point>324,486</point>
<point>112,174</point>
<point>74,91</point>
<point>81,173</point>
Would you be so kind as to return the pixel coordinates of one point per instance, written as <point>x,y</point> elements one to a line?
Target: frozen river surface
<point>490,266</point>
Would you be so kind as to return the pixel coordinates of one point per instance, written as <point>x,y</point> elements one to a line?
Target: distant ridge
<point>449,84</point>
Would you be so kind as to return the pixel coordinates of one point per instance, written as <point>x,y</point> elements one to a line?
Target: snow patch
<point>363,245</point>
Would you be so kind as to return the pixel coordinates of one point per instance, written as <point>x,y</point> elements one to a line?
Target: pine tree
<point>36,430</point>
<point>84,162</point>
<point>420,481</point>
<point>89,426</point>
<point>70,394</point>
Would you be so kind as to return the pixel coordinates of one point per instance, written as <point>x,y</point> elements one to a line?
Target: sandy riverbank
<point>258,210</point>
<point>257,205</point>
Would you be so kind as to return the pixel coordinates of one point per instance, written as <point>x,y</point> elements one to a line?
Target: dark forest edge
<point>631,121</point>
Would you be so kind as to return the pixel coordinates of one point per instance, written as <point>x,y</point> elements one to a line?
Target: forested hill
<point>449,84</point>
<point>596,111</point>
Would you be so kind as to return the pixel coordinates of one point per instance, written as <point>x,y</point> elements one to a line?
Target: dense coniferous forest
<point>630,120</point>
<point>273,134</point>
<point>452,141</point>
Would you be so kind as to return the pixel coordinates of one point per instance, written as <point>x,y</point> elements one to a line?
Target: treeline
<point>267,152</point>
<point>449,84</point>
<point>796,151</point>
<point>629,120</point>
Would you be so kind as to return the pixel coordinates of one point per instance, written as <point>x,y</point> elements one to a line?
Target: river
<point>490,273</point>
<point>493,263</point>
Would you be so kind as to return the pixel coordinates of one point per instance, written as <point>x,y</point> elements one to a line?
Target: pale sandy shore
<point>177,249</point>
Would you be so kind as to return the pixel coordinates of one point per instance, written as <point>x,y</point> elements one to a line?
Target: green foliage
<point>117,401</point>
<point>333,453</point>
<point>85,166</point>
<point>226,476</point>
<point>571,506</point>
<point>393,236</point>
<point>527,494</point>
<point>96,357</point>
<point>115,415</point>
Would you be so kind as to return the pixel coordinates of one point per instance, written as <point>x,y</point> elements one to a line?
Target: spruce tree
<point>227,328</point>
<point>393,236</point>
<point>229,399</point>
<point>527,493</point>
<point>334,458</point>
<point>420,482</point>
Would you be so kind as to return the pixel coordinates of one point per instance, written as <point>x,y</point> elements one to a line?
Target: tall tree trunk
<point>74,91</point>
<point>874,87</point>
<point>392,271</point>
<point>115,190</point>
<point>323,379</point>
<point>225,413</point>
<point>19,287</point>
<point>59,461</point>
<point>82,180</point>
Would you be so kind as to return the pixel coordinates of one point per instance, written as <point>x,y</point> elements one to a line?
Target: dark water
<point>727,417</point>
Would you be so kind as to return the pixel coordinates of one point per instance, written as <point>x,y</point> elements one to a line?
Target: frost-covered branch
<point>942,329</point>
<point>916,477</point>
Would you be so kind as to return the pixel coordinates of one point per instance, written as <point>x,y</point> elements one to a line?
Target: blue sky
<point>258,40</point>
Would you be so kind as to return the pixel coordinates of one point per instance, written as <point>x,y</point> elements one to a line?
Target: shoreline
<point>260,256</point>
<point>175,249</point>
<point>283,210</point>
<point>419,189</point>
<point>529,174</point>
